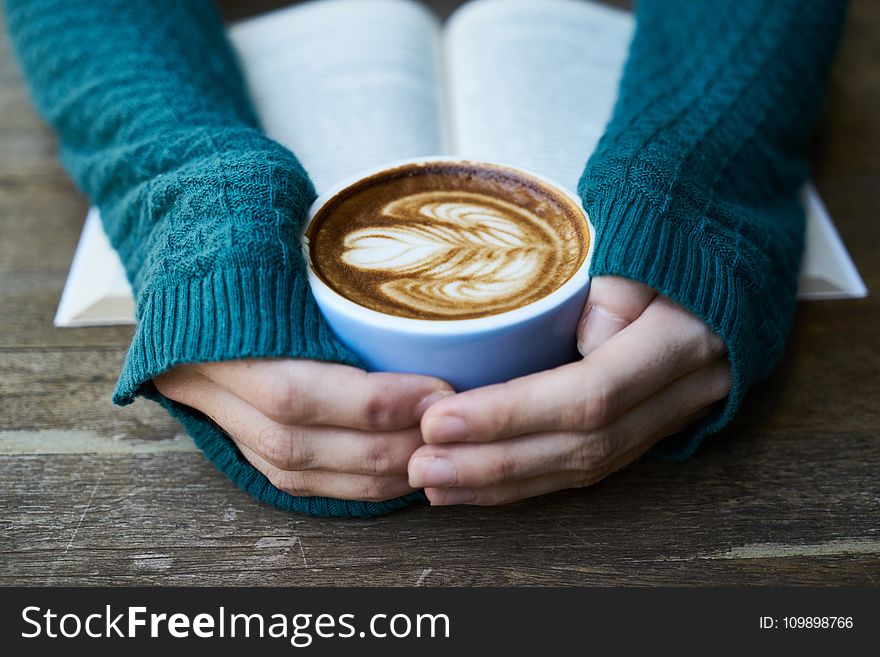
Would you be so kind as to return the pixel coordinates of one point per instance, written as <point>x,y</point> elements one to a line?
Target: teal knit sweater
<point>693,189</point>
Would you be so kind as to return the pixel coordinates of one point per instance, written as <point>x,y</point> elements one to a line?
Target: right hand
<point>313,428</point>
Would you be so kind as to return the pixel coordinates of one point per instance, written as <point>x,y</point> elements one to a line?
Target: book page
<point>345,84</point>
<point>349,84</point>
<point>97,291</point>
<point>827,270</point>
<point>533,83</point>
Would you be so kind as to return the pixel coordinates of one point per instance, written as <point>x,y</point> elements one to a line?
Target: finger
<point>665,343</point>
<point>475,465</point>
<point>480,464</point>
<point>305,392</point>
<point>517,490</point>
<point>520,489</point>
<point>344,486</point>
<point>685,421</point>
<point>508,492</point>
<point>299,448</point>
<point>612,305</point>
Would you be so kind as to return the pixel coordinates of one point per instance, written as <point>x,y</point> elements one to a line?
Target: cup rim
<point>486,323</point>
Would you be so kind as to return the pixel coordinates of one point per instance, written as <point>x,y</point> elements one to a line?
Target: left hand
<point>650,368</point>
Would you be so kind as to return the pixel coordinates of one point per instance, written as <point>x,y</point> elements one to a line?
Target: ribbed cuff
<point>635,241</point>
<point>227,315</point>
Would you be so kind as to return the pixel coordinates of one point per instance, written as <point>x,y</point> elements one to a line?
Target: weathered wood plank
<point>746,512</point>
<point>71,390</point>
<point>85,441</point>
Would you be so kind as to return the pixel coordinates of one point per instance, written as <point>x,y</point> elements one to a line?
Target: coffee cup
<point>477,277</point>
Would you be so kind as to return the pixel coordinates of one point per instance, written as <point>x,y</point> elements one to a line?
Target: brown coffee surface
<point>444,241</point>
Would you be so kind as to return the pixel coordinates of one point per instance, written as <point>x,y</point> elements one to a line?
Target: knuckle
<point>287,400</point>
<point>595,450</point>
<point>596,462</point>
<point>509,418</point>
<point>504,468</point>
<point>595,410</point>
<point>280,399</point>
<point>379,458</point>
<point>269,445</point>
<point>292,483</point>
<point>282,448</point>
<point>379,410</point>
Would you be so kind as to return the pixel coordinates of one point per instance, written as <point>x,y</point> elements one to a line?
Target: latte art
<point>454,250</point>
<point>447,241</point>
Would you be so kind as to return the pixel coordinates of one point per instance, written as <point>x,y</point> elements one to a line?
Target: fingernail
<point>431,472</point>
<point>599,325</point>
<point>423,405</point>
<point>445,429</point>
<point>449,496</point>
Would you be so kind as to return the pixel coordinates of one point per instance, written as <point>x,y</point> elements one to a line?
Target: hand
<point>313,428</point>
<point>650,368</point>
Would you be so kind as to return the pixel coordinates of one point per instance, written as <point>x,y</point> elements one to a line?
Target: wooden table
<point>93,494</point>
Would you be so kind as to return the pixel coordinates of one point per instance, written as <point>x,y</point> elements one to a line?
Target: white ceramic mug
<point>467,353</point>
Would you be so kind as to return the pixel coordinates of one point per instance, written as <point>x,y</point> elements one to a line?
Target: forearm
<point>156,127</point>
<point>694,187</point>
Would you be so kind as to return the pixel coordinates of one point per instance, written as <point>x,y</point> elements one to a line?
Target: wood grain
<point>743,512</point>
<point>93,494</point>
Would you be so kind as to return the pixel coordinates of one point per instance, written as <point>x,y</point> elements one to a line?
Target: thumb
<point>612,305</point>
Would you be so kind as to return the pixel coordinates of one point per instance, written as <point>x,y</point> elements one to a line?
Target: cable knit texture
<point>693,189</point>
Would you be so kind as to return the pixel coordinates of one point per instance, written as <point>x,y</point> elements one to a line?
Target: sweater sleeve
<point>693,188</point>
<point>156,128</point>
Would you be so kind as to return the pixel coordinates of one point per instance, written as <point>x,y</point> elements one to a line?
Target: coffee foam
<point>447,241</point>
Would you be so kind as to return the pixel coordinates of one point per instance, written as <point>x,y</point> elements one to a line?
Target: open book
<point>348,85</point>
